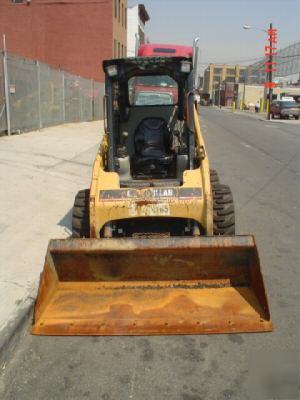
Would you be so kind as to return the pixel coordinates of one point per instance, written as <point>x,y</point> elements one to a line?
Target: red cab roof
<point>165,50</point>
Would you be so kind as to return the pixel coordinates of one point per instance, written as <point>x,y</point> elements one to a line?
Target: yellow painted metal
<point>199,209</point>
<point>267,106</point>
<point>261,104</point>
<point>207,219</point>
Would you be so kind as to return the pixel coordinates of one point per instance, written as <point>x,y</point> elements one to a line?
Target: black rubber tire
<point>80,215</point>
<point>224,217</point>
<point>297,117</point>
<point>214,177</point>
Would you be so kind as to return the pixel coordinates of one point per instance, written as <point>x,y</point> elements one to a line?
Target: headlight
<point>112,70</point>
<point>185,67</point>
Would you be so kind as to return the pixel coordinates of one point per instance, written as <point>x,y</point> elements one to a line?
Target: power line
<point>257,65</point>
<point>231,61</point>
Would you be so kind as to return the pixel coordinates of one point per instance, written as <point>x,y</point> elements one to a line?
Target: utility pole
<point>269,51</point>
<point>269,63</point>
<point>270,74</point>
<point>244,91</point>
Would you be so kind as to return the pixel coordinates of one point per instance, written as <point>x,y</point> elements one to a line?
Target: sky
<point>218,24</point>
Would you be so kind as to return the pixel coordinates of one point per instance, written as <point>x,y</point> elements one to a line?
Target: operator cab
<point>147,129</point>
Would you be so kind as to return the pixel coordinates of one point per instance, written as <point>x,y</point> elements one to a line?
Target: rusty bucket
<point>151,287</point>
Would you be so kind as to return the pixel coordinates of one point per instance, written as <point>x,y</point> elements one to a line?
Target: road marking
<point>271,126</point>
<point>246,145</point>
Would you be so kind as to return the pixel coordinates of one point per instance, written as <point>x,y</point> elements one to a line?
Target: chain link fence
<point>38,96</point>
<point>3,124</point>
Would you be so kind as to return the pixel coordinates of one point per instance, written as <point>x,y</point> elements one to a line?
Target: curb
<point>238,112</point>
<point>275,121</point>
<point>15,329</point>
<point>253,116</point>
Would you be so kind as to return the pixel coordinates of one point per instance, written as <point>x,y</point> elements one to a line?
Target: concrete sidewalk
<point>40,174</point>
<point>252,114</point>
<point>258,116</point>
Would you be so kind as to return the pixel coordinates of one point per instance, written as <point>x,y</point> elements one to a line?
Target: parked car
<point>285,109</point>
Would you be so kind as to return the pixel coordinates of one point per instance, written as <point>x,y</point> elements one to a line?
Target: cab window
<point>152,90</point>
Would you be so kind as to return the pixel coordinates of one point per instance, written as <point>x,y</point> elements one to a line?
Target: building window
<point>230,71</point>
<point>119,10</point>
<point>230,79</point>
<point>125,17</point>
<point>115,48</point>
<point>217,70</point>
<point>17,1</point>
<point>122,15</point>
<point>118,49</point>
<point>116,9</point>
<point>122,51</point>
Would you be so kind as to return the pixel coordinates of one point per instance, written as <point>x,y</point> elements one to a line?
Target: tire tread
<point>223,208</point>
<point>80,215</point>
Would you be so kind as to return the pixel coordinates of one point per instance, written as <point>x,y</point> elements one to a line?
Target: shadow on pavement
<point>66,221</point>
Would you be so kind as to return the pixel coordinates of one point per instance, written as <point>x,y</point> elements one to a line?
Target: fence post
<point>80,94</point>
<point>6,87</point>
<point>39,93</point>
<point>63,98</point>
<point>92,98</point>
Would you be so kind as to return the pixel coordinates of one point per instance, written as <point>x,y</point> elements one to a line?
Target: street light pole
<point>244,91</point>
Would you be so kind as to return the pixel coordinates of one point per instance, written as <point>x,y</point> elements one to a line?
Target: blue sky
<point>218,23</point>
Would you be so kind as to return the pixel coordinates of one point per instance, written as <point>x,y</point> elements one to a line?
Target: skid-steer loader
<point>154,249</point>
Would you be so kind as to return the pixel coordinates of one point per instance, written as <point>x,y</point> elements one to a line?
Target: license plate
<point>150,210</point>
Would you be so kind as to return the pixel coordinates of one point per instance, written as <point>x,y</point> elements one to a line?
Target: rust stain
<point>151,286</point>
<point>144,202</point>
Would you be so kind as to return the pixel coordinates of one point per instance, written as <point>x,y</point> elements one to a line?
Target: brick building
<point>75,35</point>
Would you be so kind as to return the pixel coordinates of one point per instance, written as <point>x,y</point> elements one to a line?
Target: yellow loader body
<point>110,202</point>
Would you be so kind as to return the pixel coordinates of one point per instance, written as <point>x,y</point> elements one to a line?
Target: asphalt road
<point>261,163</point>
